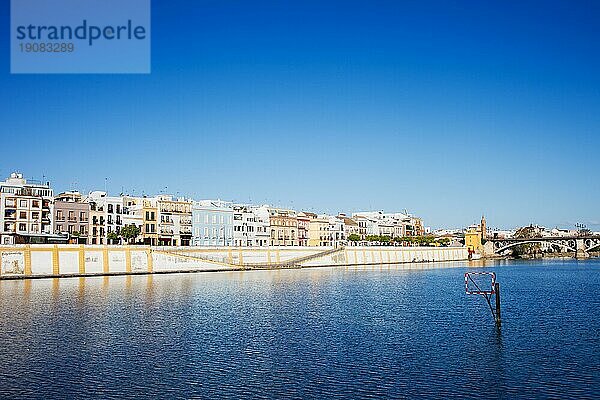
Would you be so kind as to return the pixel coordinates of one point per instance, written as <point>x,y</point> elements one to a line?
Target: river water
<point>370,332</point>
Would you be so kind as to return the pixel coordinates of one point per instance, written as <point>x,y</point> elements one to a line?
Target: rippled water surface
<point>376,332</point>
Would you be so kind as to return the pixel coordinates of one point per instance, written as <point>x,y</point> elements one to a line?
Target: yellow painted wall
<point>473,240</point>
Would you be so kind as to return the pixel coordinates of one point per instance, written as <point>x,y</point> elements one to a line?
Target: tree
<point>129,232</point>
<point>112,236</point>
<point>444,241</point>
<point>354,237</point>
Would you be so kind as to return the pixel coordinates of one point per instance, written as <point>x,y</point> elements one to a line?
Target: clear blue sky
<point>447,109</point>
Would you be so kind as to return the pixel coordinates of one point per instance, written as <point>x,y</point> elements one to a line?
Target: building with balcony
<point>174,221</point>
<point>107,215</point>
<point>303,227</point>
<point>250,226</point>
<point>284,227</point>
<point>72,217</point>
<point>389,224</point>
<point>318,230</point>
<point>26,211</point>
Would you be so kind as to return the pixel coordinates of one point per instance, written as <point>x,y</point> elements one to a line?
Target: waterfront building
<point>303,228</point>
<point>212,223</point>
<point>337,232</point>
<point>475,236</point>
<point>150,221</point>
<point>318,231</point>
<point>26,211</point>
<point>109,212</point>
<point>72,217</point>
<point>364,224</point>
<point>133,214</point>
<point>391,224</point>
<point>250,226</point>
<point>284,227</point>
<point>263,228</point>
<point>97,230</point>
<point>174,221</point>
<point>350,225</point>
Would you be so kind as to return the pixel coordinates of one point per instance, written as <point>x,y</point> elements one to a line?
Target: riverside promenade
<point>51,261</point>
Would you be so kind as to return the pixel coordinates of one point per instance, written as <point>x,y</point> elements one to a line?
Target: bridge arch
<point>593,246</point>
<point>508,246</point>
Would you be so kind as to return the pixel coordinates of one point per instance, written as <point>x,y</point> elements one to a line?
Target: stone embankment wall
<point>370,255</point>
<point>38,261</point>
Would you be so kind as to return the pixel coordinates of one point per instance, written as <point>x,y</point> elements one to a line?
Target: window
<point>23,215</point>
<point>23,203</point>
<point>82,216</point>
<point>110,208</point>
<point>214,218</point>
<point>71,215</point>
<point>10,203</point>
<point>22,227</point>
<point>35,215</point>
<point>71,228</point>
<point>35,203</point>
<point>205,232</point>
<point>206,218</point>
<point>59,228</point>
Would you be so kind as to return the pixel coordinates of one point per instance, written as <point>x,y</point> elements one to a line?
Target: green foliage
<point>129,232</point>
<point>416,240</point>
<point>378,238</point>
<point>444,241</point>
<point>354,237</point>
<point>112,236</point>
<point>75,234</point>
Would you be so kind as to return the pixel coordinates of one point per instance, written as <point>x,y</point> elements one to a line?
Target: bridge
<point>580,245</point>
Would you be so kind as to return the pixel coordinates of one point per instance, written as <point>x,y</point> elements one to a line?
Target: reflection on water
<point>360,332</point>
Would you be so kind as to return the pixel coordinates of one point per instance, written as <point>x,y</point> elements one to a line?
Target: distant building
<point>284,227</point>
<point>337,232</point>
<point>107,213</point>
<point>303,228</point>
<point>134,215</point>
<point>475,236</point>
<point>26,212</point>
<point>389,224</point>
<point>72,217</point>
<point>250,226</point>
<point>212,223</point>
<point>174,221</point>
<point>351,227</point>
<point>318,231</point>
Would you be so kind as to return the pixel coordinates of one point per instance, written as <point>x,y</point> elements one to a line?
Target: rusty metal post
<point>497,291</point>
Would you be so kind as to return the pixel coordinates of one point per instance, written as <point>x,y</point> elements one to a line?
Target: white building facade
<point>26,211</point>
